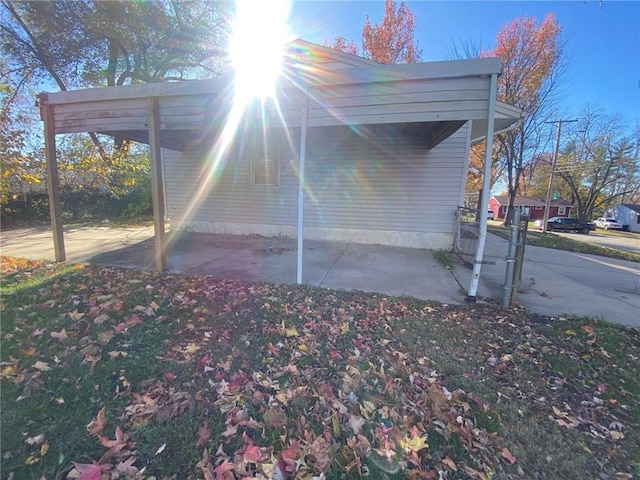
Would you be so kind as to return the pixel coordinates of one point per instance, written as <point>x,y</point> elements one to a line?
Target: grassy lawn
<point>111,373</point>
<point>551,240</point>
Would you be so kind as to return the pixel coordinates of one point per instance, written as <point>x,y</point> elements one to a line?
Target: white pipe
<point>486,186</point>
<point>302,181</point>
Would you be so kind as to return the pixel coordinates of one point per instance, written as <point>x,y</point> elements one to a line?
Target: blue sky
<point>602,41</point>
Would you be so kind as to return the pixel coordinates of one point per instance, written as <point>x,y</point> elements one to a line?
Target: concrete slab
<point>558,282</point>
<point>394,271</point>
<point>554,282</point>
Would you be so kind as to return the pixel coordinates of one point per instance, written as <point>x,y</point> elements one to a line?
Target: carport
<point>179,115</point>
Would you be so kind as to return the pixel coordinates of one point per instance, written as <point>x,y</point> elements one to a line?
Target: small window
<point>265,171</point>
<point>538,207</point>
<point>265,148</point>
<point>562,210</point>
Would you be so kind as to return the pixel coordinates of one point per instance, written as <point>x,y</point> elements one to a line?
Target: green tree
<point>21,168</point>
<point>599,164</point>
<point>82,43</point>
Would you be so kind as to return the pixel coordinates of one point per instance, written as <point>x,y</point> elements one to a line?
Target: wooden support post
<point>157,183</point>
<point>53,185</point>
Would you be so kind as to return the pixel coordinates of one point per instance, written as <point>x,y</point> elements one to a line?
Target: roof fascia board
<point>161,89</point>
<point>508,111</point>
<point>477,67</point>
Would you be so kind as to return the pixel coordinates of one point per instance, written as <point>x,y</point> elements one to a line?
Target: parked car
<point>490,215</point>
<point>562,224</point>
<point>607,223</point>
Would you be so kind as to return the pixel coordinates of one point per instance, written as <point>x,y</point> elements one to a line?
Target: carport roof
<point>435,98</point>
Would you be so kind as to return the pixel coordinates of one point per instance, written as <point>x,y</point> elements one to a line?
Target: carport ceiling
<point>426,134</point>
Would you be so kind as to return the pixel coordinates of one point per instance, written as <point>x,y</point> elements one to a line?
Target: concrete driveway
<point>554,282</point>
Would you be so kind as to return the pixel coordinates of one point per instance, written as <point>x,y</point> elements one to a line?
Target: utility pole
<point>553,172</point>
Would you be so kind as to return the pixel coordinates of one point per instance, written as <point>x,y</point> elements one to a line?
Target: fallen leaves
<point>96,425</point>
<point>414,443</point>
<point>301,383</point>
<point>86,471</point>
<point>61,335</point>
<point>506,454</point>
<point>42,366</point>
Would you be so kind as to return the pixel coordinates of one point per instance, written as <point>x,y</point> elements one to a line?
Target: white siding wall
<point>384,190</point>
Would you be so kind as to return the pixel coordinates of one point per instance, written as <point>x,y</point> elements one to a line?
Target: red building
<point>532,206</point>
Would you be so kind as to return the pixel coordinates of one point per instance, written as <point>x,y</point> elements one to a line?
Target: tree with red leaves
<point>391,41</point>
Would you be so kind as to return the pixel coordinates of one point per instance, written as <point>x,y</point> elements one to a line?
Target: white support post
<point>157,182</point>
<point>302,181</point>
<point>486,186</point>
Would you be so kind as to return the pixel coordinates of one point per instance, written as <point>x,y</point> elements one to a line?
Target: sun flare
<point>257,46</point>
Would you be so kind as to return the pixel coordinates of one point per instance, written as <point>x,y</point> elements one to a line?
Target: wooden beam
<point>157,183</point>
<point>53,185</point>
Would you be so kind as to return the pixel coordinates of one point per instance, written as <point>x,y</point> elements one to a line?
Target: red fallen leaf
<point>88,471</point>
<point>223,468</point>
<point>203,435</point>
<point>288,458</point>
<point>118,443</point>
<point>251,454</point>
<point>170,376</point>
<point>134,320</point>
<point>202,363</point>
<point>273,350</point>
<point>121,327</point>
<point>506,454</point>
<point>602,387</point>
<point>450,463</point>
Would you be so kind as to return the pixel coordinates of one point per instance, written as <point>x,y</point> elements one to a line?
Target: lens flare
<point>257,46</point>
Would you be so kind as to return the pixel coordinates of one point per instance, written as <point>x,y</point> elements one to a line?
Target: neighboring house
<point>628,215</point>
<point>532,206</point>
<point>384,148</point>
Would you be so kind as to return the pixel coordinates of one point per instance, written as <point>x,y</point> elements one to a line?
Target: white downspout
<point>486,185</point>
<point>301,181</point>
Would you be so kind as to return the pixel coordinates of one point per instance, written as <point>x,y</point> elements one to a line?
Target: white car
<point>607,223</point>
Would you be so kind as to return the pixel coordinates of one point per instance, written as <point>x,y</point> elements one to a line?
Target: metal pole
<point>517,274</point>
<point>547,203</point>
<point>509,277</point>
<point>301,181</point>
<point>484,193</point>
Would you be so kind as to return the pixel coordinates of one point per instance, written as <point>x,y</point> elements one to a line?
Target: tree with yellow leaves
<point>533,64</point>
